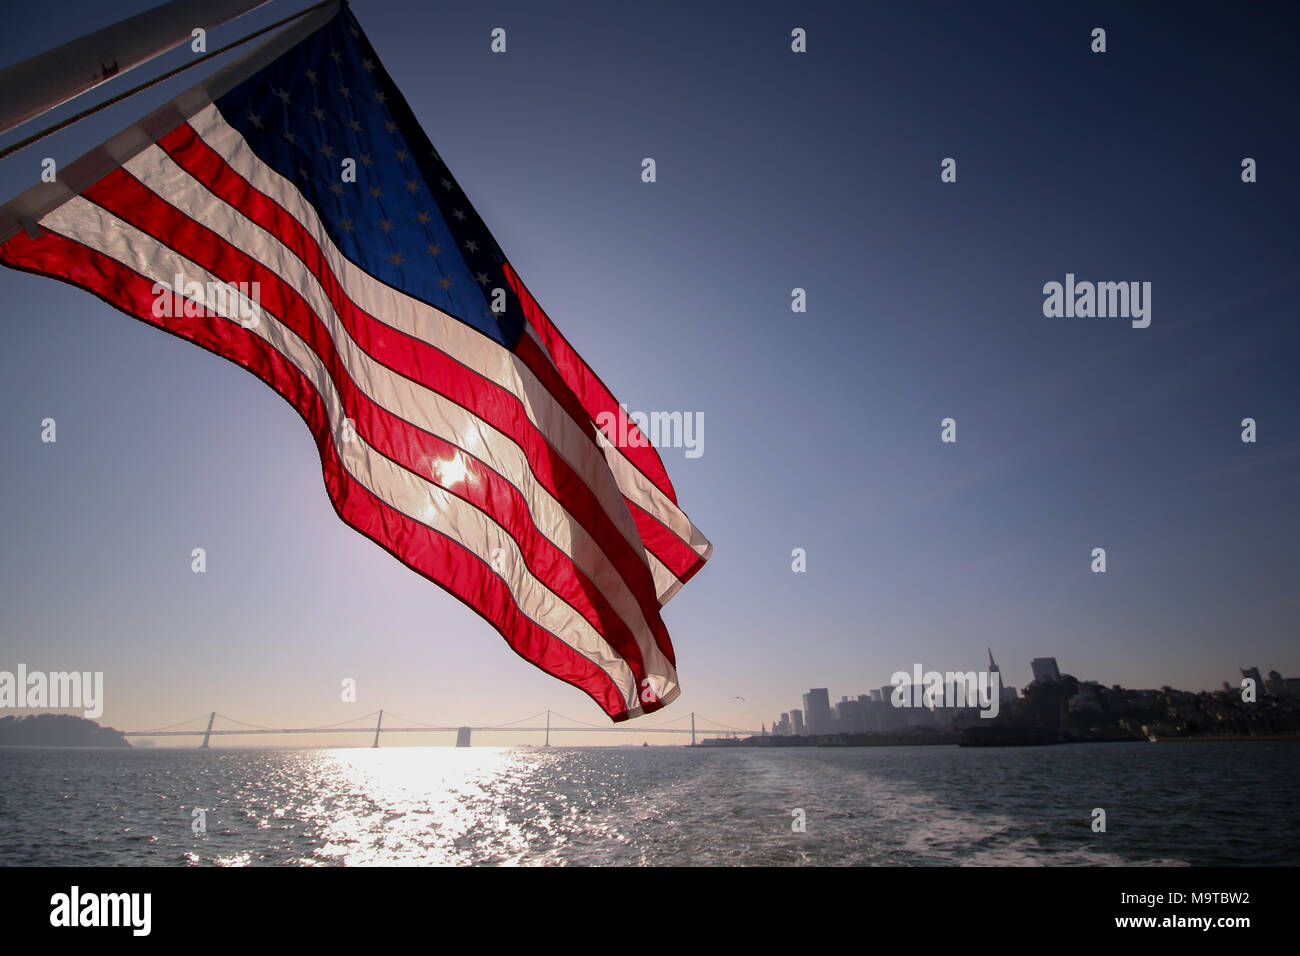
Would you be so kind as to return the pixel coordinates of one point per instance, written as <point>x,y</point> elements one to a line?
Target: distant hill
<point>57,730</point>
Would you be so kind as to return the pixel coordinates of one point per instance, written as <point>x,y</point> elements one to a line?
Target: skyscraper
<point>850,717</point>
<point>864,713</point>
<point>796,716</point>
<point>817,708</point>
<point>1045,669</point>
<point>1005,694</point>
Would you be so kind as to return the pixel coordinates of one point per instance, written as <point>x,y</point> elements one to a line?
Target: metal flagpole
<point>50,79</point>
<point>26,209</point>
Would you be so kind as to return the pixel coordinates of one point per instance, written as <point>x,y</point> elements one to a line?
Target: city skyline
<point>860,711</point>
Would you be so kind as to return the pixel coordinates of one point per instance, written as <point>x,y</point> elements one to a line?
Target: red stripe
<point>677,556</point>
<point>596,398</point>
<point>400,441</point>
<point>432,554</point>
<point>660,540</point>
<point>418,361</point>
<point>531,354</point>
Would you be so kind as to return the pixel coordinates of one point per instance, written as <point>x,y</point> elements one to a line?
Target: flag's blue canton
<point>405,220</point>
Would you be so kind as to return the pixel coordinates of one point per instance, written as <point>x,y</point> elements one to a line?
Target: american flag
<point>290,215</point>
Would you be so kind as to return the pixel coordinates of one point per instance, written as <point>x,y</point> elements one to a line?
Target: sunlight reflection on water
<point>417,806</point>
<point>437,806</point>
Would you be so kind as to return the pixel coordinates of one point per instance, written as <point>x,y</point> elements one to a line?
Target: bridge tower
<point>208,733</point>
<point>548,729</point>
<point>462,736</point>
<point>379,723</point>
<point>692,728</point>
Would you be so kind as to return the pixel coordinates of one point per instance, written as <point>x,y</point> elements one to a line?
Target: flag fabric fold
<point>290,215</point>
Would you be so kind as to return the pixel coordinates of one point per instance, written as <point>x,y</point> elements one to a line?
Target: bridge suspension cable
<point>722,726</point>
<point>244,723</point>
<point>349,720</point>
<point>407,720</point>
<point>177,724</point>
<point>556,713</point>
<point>519,720</point>
<point>685,716</point>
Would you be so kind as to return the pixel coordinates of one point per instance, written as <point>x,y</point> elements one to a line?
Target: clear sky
<point>775,170</point>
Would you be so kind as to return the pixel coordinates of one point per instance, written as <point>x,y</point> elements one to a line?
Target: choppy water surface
<point>1165,803</point>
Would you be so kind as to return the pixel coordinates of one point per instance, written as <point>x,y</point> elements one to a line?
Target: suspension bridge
<point>463,733</point>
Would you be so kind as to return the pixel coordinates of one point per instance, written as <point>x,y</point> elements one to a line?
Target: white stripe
<point>404,398</point>
<point>666,583</point>
<point>466,345</point>
<point>541,346</point>
<point>640,489</point>
<point>408,493</point>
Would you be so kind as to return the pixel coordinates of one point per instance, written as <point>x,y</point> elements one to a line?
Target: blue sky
<point>775,170</point>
